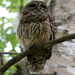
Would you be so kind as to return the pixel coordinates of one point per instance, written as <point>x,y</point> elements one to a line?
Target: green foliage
<point>9,37</point>
<point>10,70</point>
<point>14,5</point>
<point>13,39</point>
<point>2,45</point>
<point>1,2</point>
<point>48,2</point>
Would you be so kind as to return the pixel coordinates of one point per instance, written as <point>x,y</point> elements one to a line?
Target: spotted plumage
<point>35,28</point>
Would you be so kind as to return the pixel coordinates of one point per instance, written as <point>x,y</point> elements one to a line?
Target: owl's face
<point>35,6</point>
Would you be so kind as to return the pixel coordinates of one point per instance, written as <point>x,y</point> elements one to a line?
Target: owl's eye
<point>43,6</point>
<point>32,5</point>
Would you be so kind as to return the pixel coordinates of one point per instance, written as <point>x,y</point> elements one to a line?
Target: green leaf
<point>1,2</point>
<point>2,46</point>
<point>12,38</point>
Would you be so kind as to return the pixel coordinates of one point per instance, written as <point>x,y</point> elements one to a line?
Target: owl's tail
<point>37,67</point>
<point>38,59</point>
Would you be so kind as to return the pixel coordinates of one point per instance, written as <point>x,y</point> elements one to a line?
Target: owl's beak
<point>38,8</point>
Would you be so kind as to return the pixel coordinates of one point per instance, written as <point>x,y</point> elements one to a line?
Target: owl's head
<point>35,6</point>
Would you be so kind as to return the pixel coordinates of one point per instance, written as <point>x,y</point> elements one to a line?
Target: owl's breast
<point>34,33</point>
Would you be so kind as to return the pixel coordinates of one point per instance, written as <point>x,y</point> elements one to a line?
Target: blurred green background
<point>10,11</point>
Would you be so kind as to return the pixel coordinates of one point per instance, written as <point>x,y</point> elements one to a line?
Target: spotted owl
<point>35,28</point>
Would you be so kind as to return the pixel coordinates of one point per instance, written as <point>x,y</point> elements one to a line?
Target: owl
<point>35,28</point>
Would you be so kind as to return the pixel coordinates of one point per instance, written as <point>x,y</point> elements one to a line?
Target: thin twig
<point>9,53</point>
<point>21,7</point>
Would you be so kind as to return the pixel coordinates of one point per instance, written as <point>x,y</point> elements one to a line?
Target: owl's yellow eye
<point>32,5</point>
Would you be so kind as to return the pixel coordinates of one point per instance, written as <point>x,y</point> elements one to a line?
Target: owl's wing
<point>53,27</point>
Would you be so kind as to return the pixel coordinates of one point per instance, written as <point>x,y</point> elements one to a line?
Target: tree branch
<point>59,40</point>
<point>27,52</point>
<point>9,53</point>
